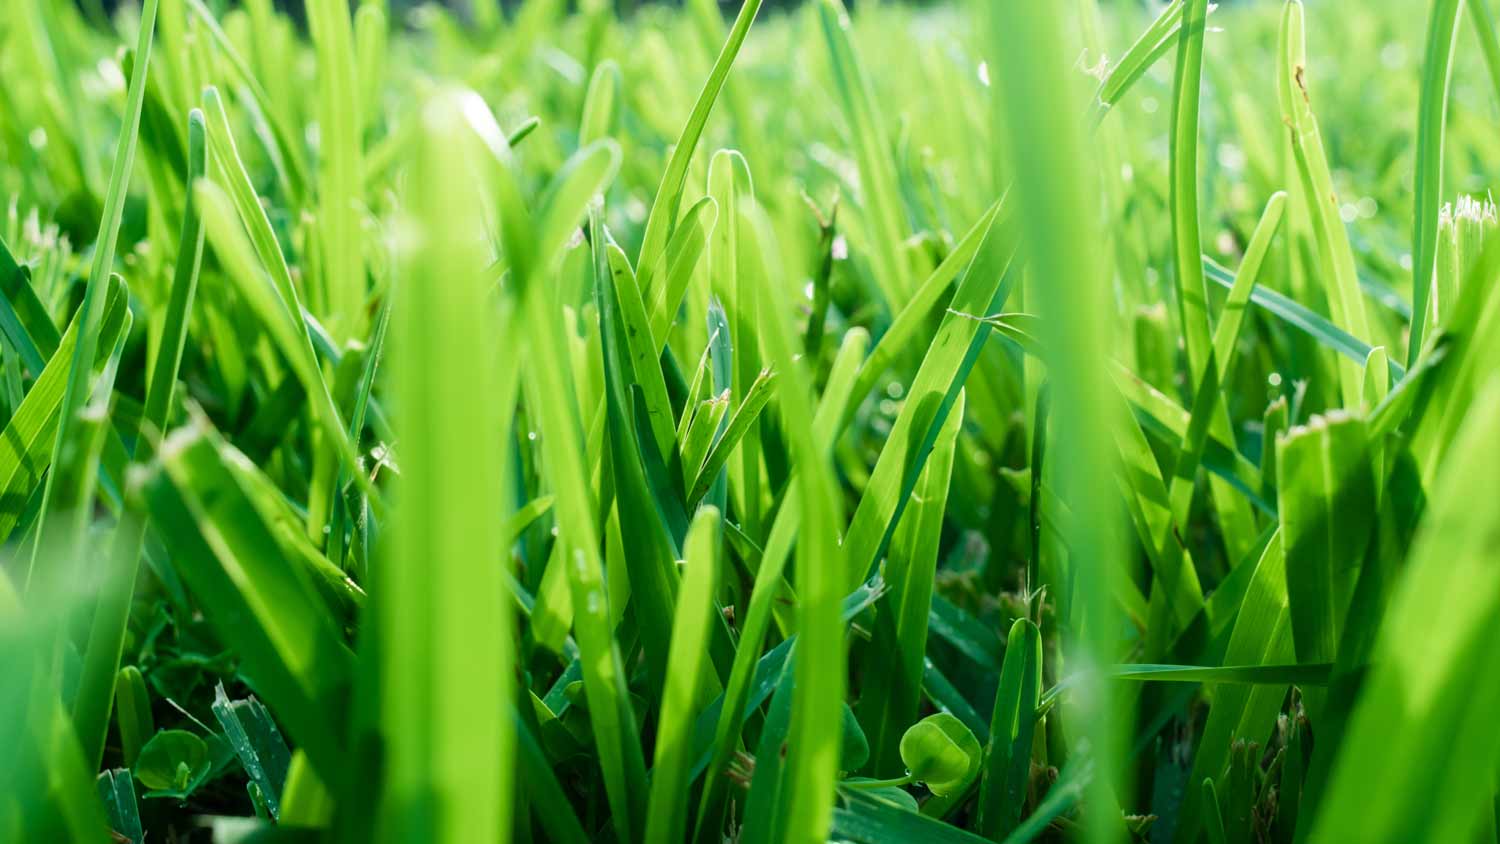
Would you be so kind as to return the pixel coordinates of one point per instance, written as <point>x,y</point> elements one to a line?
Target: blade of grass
<point>1432,109</point>
<point>101,658</point>
<point>666,818</point>
<point>91,311</point>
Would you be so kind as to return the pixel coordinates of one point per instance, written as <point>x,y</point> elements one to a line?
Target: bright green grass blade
<point>1484,30</point>
<point>769,583</point>
<point>258,603</point>
<point>640,366</point>
<point>1326,488</point>
<point>813,744</point>
<point>678,263</point>
<point>340,168</point>
<point>1432,108</point>
<point>912,318</point>
<point>289,152</point>
<point>1007,767</point>
<point>644,527</point>
<point>604,679</point>
<point>933,391</point>
<point>91,311</point>
<point>101,660</point>
<point>265,280</point>
<point>696,441</point>
<point>447,755</point>
<point>1052,166</point>
<point>892,688</point>
<point>662,220</point>
<point>1431,778</point>
<point>886,229</point>
<point>30,434</point>
<point>601,103</point>
<point>1335,256</point>
<point>666,818</point>
<point>1187,246</point>
<point>1150,46</point>
<point>744,418</point>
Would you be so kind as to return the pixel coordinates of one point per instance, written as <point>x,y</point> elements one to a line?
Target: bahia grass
<point>955,422</point>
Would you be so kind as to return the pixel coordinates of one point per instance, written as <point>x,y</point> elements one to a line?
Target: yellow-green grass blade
<point>30,434</point>
<point>817,700</point>
<point>265,280</point>
<point>682,699</point>
<point>946,364</point>
<point>1335,257</point>
<point>444,629</point>
<point>340,168</point>
<point>1044,141</point>
<point>1327,490</point>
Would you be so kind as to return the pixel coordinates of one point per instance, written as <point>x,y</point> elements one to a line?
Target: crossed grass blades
<point>1001,422</point>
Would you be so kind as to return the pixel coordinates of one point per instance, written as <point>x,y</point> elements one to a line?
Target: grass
<point>980,421</point>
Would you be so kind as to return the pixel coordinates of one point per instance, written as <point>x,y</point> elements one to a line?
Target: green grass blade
<point>1431,778</point>
<point>1437,73</point>
<point>666,818</point>
<point>1007,768</point>
<point>340,168</point>
<point>91,311</point>
<point>447,754</point>
<point>662,219</point>
<point>893,670</point>
<point>1052,167</point>
<point>886,229</point>
<point>101,659</point>
<point>1335,256</point>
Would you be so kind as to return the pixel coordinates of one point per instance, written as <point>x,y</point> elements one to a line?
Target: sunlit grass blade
<point>1044,142</point>
<point>447,755</point>
<point>1007,770</point>
<point>662,219</point>
<point>107,630</point>
<point>92,310</point>
<point>1335,255</point>
<point>1437,72</point>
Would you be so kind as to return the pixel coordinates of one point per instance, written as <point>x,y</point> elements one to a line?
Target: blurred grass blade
<point>1432,777</point>
<point>447,754</point>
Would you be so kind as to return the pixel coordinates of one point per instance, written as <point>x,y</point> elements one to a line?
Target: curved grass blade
<point>91,311</point>
<point>663,216</point>
<point>1432,108</point>
<point>101,660</point>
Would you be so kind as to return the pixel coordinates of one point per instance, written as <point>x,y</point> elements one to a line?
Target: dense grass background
<point>981,421</point>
